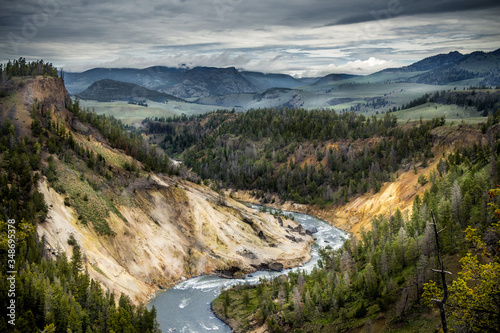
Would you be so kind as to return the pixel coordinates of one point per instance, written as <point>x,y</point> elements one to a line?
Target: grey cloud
<point>187,46</point>
<point>282,35</point>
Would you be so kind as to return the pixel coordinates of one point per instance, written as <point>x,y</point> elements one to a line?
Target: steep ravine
<point>164,229</point>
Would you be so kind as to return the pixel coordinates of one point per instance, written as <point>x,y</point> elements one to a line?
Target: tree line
<point>182,132</point>
<point>126,139</point>
<point>21,67</point>
<point>485,101</point>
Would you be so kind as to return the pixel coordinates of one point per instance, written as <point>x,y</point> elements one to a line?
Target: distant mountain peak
<point>481,67</point>
<point>211,81</point>
<point>436,61</point>
<point>107,90</point>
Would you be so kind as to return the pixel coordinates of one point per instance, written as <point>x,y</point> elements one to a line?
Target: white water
<point>185,308</point>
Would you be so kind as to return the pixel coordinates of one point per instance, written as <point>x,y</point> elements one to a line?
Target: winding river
<point>185,308</point>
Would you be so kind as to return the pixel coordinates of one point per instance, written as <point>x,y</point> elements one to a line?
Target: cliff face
<point>22,93</point>
<point>172,233</point>
<point>163,229</point>
<point>50,91</point>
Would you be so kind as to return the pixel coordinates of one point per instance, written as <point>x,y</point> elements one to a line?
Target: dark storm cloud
<point>383,9</point>
<point>268,35</point>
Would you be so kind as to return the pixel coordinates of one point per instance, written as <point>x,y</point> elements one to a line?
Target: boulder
<point>313,230</point>
<point>276,266</point>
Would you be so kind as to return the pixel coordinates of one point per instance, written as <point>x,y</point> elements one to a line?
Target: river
<point>185,308</point>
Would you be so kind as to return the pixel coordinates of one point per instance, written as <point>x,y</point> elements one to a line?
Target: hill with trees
<point>51,295</point>
<point>483,65</point>
<point>383,277</point>
<point>311,157</point>
<point>483,99</point>
<point>110,90</point>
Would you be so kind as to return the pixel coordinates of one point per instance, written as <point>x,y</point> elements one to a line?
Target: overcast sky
<point>305,38</point>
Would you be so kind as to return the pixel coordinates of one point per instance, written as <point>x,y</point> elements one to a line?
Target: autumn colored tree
<point>474,297</point>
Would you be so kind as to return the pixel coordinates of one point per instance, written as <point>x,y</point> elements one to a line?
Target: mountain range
<point>230,87</point>
<point>185,83</point>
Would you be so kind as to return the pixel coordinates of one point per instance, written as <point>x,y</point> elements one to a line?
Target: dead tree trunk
<point>442,302</point>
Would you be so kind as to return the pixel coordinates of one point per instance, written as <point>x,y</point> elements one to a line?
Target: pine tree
<point>76,260</point>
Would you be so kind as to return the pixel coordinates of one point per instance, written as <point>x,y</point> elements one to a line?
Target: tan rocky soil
<point>172,233</point>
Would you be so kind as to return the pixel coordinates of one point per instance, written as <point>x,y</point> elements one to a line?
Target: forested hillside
<point>103,222</point>
<point>317,156</point>
<point>110,90</point>
<point>50,295</point>
<point>483,99</point>
<point>384,279</point>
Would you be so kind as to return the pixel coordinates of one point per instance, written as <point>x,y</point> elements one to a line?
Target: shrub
<point>72,240</point>
<point>360,311</point>
<point>422,180</point>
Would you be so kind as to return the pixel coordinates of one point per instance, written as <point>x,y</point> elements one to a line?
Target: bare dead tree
<point>442,302</point>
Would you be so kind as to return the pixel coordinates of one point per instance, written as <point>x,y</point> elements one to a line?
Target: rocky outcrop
<point>276,266</point>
